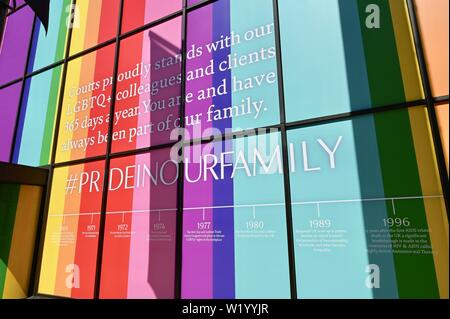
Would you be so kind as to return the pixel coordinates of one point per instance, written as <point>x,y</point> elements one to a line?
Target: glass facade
<point>229,149</point>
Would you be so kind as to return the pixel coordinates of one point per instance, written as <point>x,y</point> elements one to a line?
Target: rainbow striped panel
<point>140,231</point>
<point>149,88</point>
<point>338,57</point>
<point>234,221</point>
<point>368,209</point>
<point>71,238</point>
<point>234,54</point>
<point>86,105</point>
<point>49,47</point>
<point>94,22</point>
<point>36,124</point>
<point>389,212</point>
<point>19,214</point>
<point>35,129</point>
<point>41,95</point>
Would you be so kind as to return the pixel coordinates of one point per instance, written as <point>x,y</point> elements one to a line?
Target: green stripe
<point>61,46</point>
<point>54,88</point>
<point>416,277</point>
<point>50,117</point>
<point>383,65</point>
<point>9,196</point>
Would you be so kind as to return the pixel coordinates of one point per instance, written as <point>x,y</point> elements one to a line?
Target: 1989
<point>320,223</point>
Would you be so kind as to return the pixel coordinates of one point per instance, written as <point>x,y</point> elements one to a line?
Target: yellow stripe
<point>72,82</point>
<point>80,72</point>
<point>22,245</point>
<point>51,245</point>
<point>57,102</point>
<point>79,33</point>
<point>435,208</point>
<point>406,51</point>
<point>425,152</point>
<point>67,252</point>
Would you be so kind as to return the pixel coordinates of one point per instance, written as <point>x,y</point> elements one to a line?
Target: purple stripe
<point>197,256</point>
<point>223,252</point>
<point>23,111</point>
<point>26,92</point>
<point>8,112</point>
<point>14,49</point>
<point>34,43</point>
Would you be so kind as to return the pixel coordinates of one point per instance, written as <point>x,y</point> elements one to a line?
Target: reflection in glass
<point>149,88</point>
<point>335,62</point>
<point>231,68</point>
<point>136,13</point>
<point>140,231</point>
<point>234,234</point>
<point>86,104</point>
<point>93,22</point>
<point>369,216</point>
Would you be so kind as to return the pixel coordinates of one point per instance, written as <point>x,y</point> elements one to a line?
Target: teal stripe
<point>47,43</point>
<point>315,76</point>
<point>33,133</point>
<point>328,272</point>
<point>241,22</point>
<point>262,268</point>
<point>50,118</point>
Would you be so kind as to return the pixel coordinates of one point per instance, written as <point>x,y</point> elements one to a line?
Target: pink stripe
<point>144,141</point>
<point>138,285</point>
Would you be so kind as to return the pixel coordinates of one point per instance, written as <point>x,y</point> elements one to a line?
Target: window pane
<point>95,21</point>
<point>149,88</point>
<point>86,105</point>
<point>19,213</point>
<point>49,47</point>
<point>234,234</point>
<point>340,59</point>
<point>367,200</point>
<point>37,119</point>
<point>10,97</point>
<point>231,68</point>
<point>433,21</point>
<point>140,231</point>
<point>14,47</point>
<point>71,237</point>
<point>137,13</point>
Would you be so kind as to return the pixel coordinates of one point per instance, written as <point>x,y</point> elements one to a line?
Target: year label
<point>396,222</point>
<point>122,227</point>
<point>159,226</point>
<point>204,226</point>
<point>255,225</point>
<point>320,223</point>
